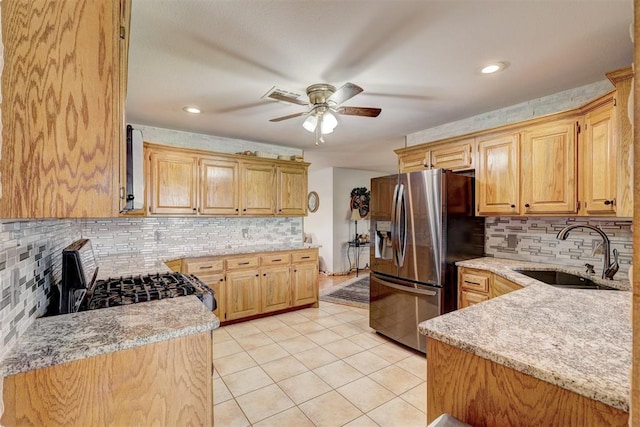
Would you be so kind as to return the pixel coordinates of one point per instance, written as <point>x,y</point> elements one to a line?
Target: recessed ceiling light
<point>493,68</point>
<point>192,110</point>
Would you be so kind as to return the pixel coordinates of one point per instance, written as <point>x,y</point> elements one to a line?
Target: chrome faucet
<point>608,270</point>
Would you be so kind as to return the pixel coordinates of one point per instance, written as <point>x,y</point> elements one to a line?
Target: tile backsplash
<point>30,264</point>
<point>534,239</point>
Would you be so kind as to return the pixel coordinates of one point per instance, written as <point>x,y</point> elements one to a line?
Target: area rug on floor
<point>354,293</point>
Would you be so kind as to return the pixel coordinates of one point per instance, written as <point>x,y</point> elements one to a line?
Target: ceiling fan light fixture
<point>329,123</point>
<point>192,110</point>
<point>310,123</point>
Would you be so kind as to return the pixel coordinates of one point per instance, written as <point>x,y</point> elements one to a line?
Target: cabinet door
<point>242,293</point>
<point>275,285</point>
<point>454,156</point>
<point>217,283</point>
<point>501,286</point>
<point>305,283</point>
<point>415,161</point>
<point>468,298</point>
<point>548,169</point>
<point>292,190</point>
<point>382,196</point>
<point>219,187</point>
<point>258,189</point>
<point>172,183</point>
<point>598,175</point>
<point>497,177</point>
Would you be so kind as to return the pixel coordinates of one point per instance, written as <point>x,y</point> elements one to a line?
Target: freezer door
<point>419,225</point>
<point>398,307</point>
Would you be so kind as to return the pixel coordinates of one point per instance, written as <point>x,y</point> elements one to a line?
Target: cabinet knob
<point>526,205</point>
<point>264,274</point>
<point>513,206</point>
<point>244,210</point>
<point>608,202</point>
<point>195,209</point>
<point>257,275</point>
<point>237,209</point>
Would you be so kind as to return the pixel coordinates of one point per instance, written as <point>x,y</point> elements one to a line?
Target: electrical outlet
<point>245,233</point>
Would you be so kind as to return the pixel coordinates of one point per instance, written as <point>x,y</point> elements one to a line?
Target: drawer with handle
<point>303,256</point>
<point>474,280</point>
<point>242,262</point>
<point>274,259</point>
<point>203,265</point>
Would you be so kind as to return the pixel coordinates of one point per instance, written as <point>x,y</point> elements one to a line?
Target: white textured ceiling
<point>416,60</point>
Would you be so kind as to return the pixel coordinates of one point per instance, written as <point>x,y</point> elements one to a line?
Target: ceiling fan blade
<point>347,91</point>
<point>290,116</point>
<point>360,111</point>
<point>280,97</point>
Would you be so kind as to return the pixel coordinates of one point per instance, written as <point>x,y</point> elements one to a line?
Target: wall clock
<point>313,201</point>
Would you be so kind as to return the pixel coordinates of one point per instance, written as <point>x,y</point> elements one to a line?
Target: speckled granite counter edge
<point>611,394</point>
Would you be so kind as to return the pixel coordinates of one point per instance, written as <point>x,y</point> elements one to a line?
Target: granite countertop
<point>577,339</point>
<point>127,264</point>
<point>60,339</point>
<point>507,269</point>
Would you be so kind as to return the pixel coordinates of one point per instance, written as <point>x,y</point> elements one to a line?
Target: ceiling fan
<point>324,102</point>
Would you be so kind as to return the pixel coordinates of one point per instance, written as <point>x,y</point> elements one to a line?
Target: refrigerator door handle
<point>402,228</point>
<point>406,288</point>
<point>394,222</point>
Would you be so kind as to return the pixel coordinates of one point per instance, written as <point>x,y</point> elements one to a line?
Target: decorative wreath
<point>360,198</point>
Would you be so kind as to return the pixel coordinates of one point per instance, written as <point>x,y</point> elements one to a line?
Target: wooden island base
<point>480,392</point>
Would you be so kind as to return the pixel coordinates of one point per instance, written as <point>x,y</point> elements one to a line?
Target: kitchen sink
<point>564,280</point>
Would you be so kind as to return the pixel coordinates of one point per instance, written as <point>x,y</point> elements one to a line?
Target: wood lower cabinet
<point>182,181</point>
<point>498,175</point>
<point>168,383</point>
<point>247,285</point>
<point>475,286</point>
<point>480,392</point>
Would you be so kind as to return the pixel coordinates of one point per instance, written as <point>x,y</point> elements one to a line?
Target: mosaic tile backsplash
<point>534,239</point>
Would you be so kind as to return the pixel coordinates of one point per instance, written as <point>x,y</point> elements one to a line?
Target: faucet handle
<point>590,269</point>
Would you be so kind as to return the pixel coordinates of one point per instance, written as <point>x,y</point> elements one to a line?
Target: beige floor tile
<point>417,365</point>
<point>267,353</point>
<point>363,421</point>
<point>220,335</point>
<point>353,316</point>
<point>417,396</point>
<point>220,391</point>
<point>323,337</point>
<point>366,394</point>
<point>330,409</point>
<point>329,322</point>
<point>397,412</point>
<point>335,308</point>
<point>338,373</point>
<point>308,327</point>
<point>304,387</point>
<point>291,318</point>
<point>343,348</point>
<point>226,348</point>
<point>263,403</point>
<point>238,330</point>
<point>391,352</point>
<point>286,367</point>
<point>298,344</point>
<point>395,379</point>
<point>246,381</point>
<point>366,362</point>
<point>249,342</point>
<point>229,414</point>
<point>315,357</point>
<point>268,323</point>
<point>367,340</point>
<point>293,417</point>
<point>216,374</point>
<point>362,323</point>
<point>234,363</point>
<point>346,330</point>
<point>283,333</point>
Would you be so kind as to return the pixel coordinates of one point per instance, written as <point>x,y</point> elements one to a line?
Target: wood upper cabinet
<point>498,175</point>
<point>173,183</point>
<point>242,293</point>
<point>258,189</point>
<point>548,168</point>
<point>598,161</point>
<point>292,190</point>
<point>220,186</point>
<point>454,155</point>
<point>381,203</point>
<point>63,86</point>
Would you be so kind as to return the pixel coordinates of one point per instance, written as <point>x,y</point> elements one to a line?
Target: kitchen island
<point>536,356</point>
<point>138,364</point>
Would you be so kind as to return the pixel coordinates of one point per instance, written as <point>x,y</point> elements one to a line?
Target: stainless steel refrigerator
<point>421,224</point>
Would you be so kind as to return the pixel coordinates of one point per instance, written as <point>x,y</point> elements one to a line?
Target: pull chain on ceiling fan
<point>324,102</point>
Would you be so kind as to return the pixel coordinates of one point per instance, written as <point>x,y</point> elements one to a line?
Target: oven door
<point>396,307</point>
